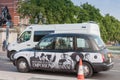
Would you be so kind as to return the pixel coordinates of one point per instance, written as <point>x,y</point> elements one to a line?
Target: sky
<point>105,6</point>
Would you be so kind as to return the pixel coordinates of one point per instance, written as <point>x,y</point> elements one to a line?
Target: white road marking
<point>55,78</point>
<point>91,79</point>
<point>115,70</point>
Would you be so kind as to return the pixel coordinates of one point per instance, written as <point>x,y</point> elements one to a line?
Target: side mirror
<point>18,40</point>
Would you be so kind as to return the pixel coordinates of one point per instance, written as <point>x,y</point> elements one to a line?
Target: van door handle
<point>28,44</point>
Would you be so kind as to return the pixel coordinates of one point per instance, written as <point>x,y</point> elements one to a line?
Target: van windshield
<point>99,42</point>
<point>25,36</point>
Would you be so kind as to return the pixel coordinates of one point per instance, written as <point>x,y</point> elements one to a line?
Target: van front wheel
<point>12,55</point>
<point>22,65</point>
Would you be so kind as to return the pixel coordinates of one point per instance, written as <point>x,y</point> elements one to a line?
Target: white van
<point>32,34</point>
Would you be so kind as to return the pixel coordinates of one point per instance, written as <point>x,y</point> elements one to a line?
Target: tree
<point>64,11</point>
<point>112,27</point>
<point>89,13</point>
<point>56,11</point>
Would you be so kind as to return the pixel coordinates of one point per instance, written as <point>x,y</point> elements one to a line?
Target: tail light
<point>103,57</point>
<point>107,57</point>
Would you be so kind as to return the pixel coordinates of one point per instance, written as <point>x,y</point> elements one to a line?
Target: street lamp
<point>40,19</point>
<point>44,20</point>
<point>36,20</point>
<point>8,24</point>
<point>40,15</point>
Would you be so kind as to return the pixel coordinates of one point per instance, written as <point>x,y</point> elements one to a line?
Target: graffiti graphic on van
<point>65,62</point>
<point>45,61</point>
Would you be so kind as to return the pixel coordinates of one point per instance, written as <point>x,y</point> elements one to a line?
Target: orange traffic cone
<point>80,71</point>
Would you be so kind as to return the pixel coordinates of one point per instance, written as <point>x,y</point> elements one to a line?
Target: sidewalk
<point>30,76</point>
<point>3,54</point>
<point>115,51</point>
<point>1,51</point>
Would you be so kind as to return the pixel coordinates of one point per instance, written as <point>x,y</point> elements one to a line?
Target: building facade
<point>12,7</point>
<point>15,18</point>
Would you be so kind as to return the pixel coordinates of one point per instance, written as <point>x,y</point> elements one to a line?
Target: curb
<point>115,51</point>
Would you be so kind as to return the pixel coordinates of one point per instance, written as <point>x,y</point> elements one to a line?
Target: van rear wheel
<point>22,65</point>
<point>88,70</point>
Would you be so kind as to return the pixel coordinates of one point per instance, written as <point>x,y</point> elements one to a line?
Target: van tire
<point>88,68</point>
<point>22,65</point>
<point>11,55</point>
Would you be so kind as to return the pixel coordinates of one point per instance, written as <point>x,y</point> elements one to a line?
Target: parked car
<point>62,52</point>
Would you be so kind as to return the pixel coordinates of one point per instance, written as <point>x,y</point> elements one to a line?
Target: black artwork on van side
<point>95,56</point>
<point>76,56</point>
<point>87,55</point>
<point>65,62</point>
<point>42,61</point>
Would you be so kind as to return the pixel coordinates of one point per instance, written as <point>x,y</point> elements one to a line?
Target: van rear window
<point>83,44</point>
<point>99,41</point>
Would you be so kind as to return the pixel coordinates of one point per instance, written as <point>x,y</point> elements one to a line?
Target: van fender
<point>26,55</point>
<point>93,57</point>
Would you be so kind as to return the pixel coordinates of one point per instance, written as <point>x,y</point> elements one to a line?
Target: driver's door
<point>24,41</point>
<point>45,56</point>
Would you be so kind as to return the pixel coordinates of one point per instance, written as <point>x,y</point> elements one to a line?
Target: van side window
<point>64,43</point>
<point>39,34</point>
<point>25,36</point>
<point>83,44</point>
<point>47,43</point>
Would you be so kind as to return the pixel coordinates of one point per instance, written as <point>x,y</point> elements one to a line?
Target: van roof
<point>87,28</point>
<point>53,26</point>
<point>68,34</point>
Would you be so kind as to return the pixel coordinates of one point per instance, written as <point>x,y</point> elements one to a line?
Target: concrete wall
<point>12,35</point>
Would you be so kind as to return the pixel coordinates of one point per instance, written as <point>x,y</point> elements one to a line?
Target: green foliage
<point>64,11</point>
<point>56,11</point>
<point>89,13</point>
<point>112,27</point>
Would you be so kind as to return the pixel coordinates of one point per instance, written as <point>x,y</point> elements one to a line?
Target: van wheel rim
<point>86,70</point>
<point>22,65</point>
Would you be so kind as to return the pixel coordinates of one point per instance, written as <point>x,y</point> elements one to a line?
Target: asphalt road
<point>9,72</point>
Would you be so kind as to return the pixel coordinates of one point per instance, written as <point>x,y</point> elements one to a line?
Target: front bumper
<point>102,66</point>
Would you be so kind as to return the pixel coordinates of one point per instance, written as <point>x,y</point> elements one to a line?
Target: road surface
<point>9,72</point>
